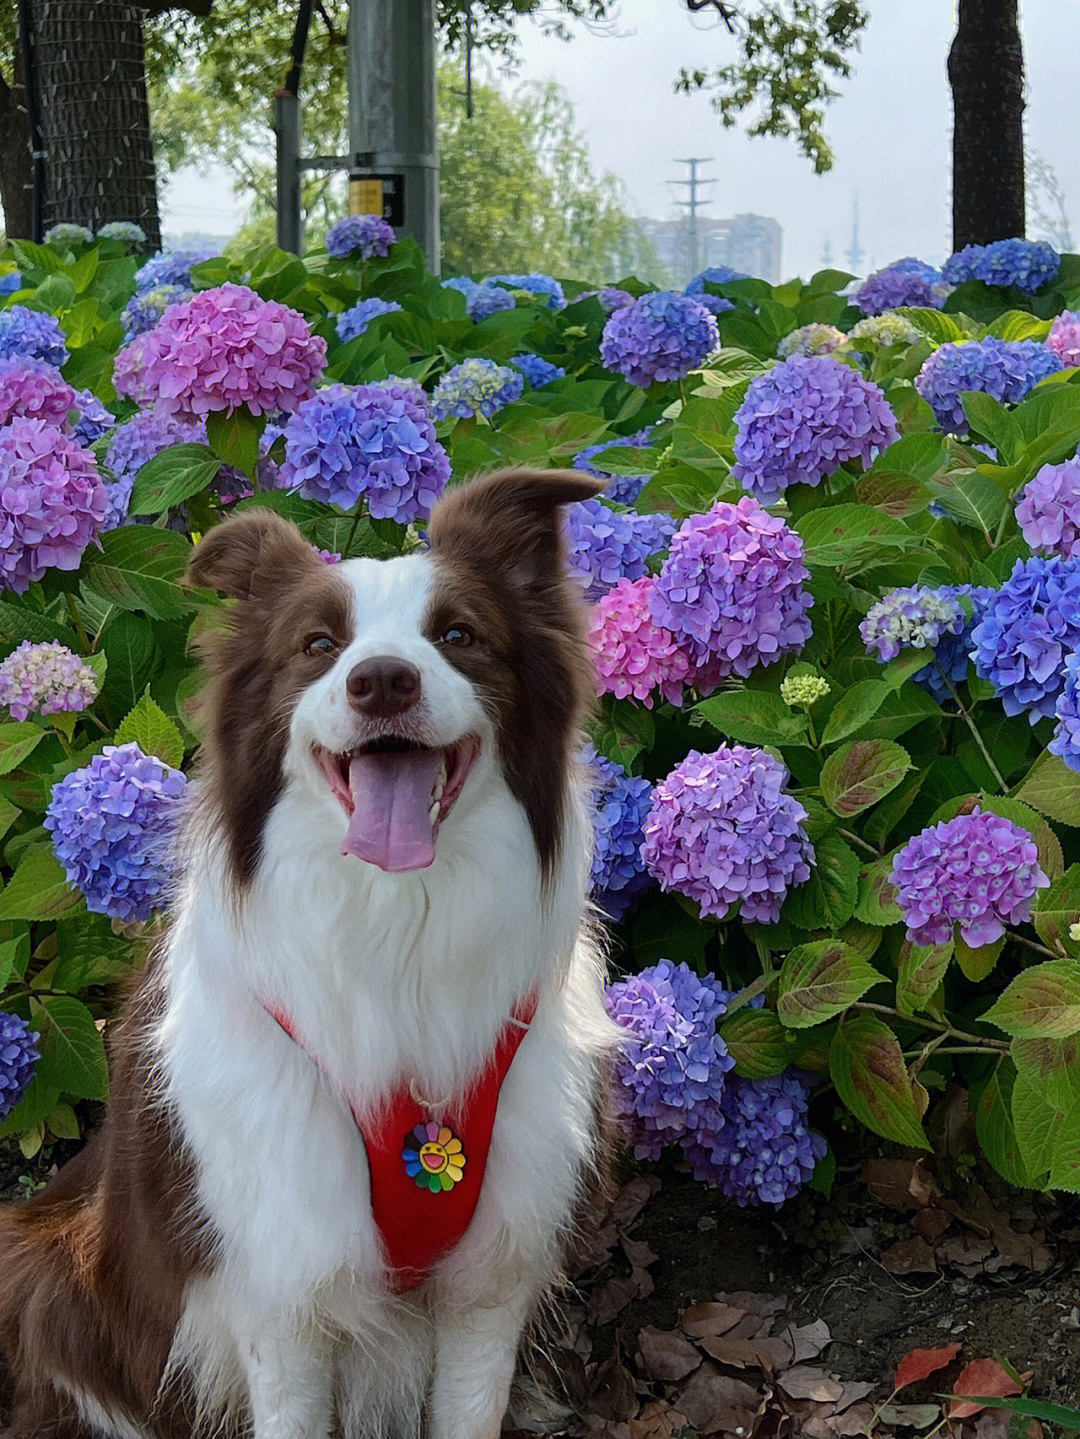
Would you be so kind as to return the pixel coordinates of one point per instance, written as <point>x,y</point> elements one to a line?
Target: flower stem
<point>352,532</point>
<point>973,728</point>
<point>862,843</point>
<point>77,621</point>
<point>979,1040</point>
<point>1031,944</point>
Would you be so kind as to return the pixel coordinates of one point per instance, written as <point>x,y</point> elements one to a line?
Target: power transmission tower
<point>693,204</point>
<point>855,251</point>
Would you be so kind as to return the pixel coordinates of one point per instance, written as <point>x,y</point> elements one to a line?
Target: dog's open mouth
<point>396,794</point>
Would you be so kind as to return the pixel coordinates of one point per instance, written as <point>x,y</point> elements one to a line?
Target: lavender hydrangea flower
<point>354,322</point>
<point>715,304</point>
<point>883,330</point>
<point>673,1062</point>
<point>912,265</point>
<point>125,230</point>
<point>620,489</point>
<point>978,870</point>
<point>67,234</point>
<point>114,825</point>
<point>31,335</point>
<point>802,420</point>
<point>662,336</point>
<point>1048,511</point>
<point>611,298</point>
<point>723,831</point>
<point>538,371</point>
<point>1006,369</point>
<point>811,340</point>
<point>170,267</point>
<point>606,545</point>
<point>33,390</point>
<point>10,282</point>
<point>731,591</point>
<point>146,307</point>
<point>754,1144</point>
<point>372,442</point>
<point>891,288</point>
<point>1064,338</point>
<point>46,679</point>
<point>1028,629</point>
<point>1066,740</point>
<point>620,803</point>
<point>52,502</point>
<point>476,387</point>
<point>920,618</point>
<point>543,286</point>
<point>1027,265</point>
<point>93,421</point>
<point>19,1057</point>
<point>361,235</point>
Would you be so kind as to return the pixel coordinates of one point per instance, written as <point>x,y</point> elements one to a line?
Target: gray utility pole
<point>693,204</point>
<point>855,250</point>
<point>393,163</point>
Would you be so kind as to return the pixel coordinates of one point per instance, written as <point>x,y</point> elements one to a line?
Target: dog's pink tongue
<point>391,793</point>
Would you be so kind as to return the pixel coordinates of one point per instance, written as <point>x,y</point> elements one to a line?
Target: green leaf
<point>973,499</point>
<point>10,952</point>
<point>74,1048</point>
<point>38,889</point>
<point>996,1129</point>
<point>1037,1120</point>
<point>1053,789</point>
<point>134,658</point>
<point>847,536</point>
<point>61,1120</point>
<point>977,963</point>
<point>858,704</point>
<point>235,438</point>
<point>821,979</point>
<point>140,568</point>
<point>89,953</point>
<point>827,899</point>
<point>860,774</point>
<point>623,730</point>
<point>18,623</point>
<point>1065,1158</point>
<point>172,477</point>
<point>942,329</point>
<point>867,1067</point>
<point>920,970</point>
<point>1041,1003</point>
<point>16,742</point>
<point>1056,909</point>
<point>41,1094</point>
<point>992,420</point>
<point>153,731</point>
<point>757,717</point>
<point>920,456</point>
<point>759,1043</point>
<point>899,712</point>
<point>877,898</point>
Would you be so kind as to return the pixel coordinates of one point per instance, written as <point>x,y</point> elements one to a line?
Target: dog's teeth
<point>437,792</point>
<point>433,812</point>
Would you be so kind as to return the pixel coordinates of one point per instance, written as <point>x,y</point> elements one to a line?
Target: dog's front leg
<point>476,1353</point>
<point>289,1385</point>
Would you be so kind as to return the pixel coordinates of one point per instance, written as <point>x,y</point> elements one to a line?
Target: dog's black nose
<point>383,686</point>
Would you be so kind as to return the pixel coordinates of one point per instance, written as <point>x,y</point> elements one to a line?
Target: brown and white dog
<point>383,898</point>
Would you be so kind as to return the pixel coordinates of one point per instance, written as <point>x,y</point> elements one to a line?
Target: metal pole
<point>287,135</point>
<point>393,155</point>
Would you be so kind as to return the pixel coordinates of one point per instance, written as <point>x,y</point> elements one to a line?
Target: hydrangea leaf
<point>858,704</point>
<point>978,962</point>
<point>942,329</point>
<point>1057,909</point>
<point>140,568</point>
<point>1037,1120</point>
<point>153,731</point>
<point>994,422</point>
<point>995,1127</point>
<point>827,899</point>
<point>1041,1003</point>
<point>973,500</point>
<point>860,774</point>
<point>38,889</point>
<point>16,742</point>
<point>920,970</point>
<point>848,536</point>
<point>134,658</point>
<point>755,717</point>
<point>1052,1065</point>
<point>72,1046</point>
<point>1053,789</point>
<point>172,477</point>
<point>38,1099</point>
<point>867,1066</point>
<point>920,456</point>
<point>759,1043</point>
<point>18,623</point>
<point>820,980</point>
<point>1065,1160</point>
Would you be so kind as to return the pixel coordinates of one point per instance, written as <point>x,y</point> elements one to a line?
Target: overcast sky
<point>889,128</point>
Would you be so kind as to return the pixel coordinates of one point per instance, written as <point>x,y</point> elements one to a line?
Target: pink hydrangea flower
<point>1064,338</point>
<point>33,390</point>
<point>1048,511</point>
<point>52,502</point>
<point>633,655</point>
<point>47,679</point>
<point>130,371</point>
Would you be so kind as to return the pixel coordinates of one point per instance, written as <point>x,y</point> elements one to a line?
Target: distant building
<point>750,243</point>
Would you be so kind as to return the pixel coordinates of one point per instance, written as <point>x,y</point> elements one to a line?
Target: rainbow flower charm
<point>433,1157</point>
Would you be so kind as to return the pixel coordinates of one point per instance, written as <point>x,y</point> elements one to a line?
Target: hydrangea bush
<point>833,590</point>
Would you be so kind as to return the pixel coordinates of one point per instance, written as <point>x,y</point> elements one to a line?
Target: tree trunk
<point>16,193</point>
<point>986,72</point>
<point>95,116</point>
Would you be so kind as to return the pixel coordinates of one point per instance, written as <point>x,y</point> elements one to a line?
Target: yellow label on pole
<point>365,197</point>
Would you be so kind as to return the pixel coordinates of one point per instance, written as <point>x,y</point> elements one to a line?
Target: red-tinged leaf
<point>921,1363</point>
<point>983,1376</point>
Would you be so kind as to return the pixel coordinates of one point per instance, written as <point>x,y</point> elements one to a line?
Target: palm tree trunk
<point>95,116</point>
<point>986,72</point>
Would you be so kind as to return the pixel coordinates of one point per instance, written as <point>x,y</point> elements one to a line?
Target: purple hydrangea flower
<point>606,545</point>
<point>717,275</point>
<point>922,618</point>
<point>621,489</point>
<point>1066,740</point>
<point>46,679</point>
<point>114,825</point>
<point>632,656</point>
<point>723,831</point>
<point>543,286</point>
<point>19,1057</point>
<point>611,298</point>
<point>476,387</point>
<point>662,336</point>
<point>94,420</point>
<point>146,307</point>
<point>810,340</point>
<point>731,591</point>
<point>10,282</point>
<point>754,1144</point>
<point>31,335</point>
<point>372,442</point>
<point>487,300</point>
<point>802,420</point>
<point>715,304</point>
<point>673,1062</point>
<point>361,235</point>
<point>1006,369</point>
<point>52,502</point>
<point>353,323</point>
<point>978,870</point>
<point>538,371</point>
<point>1028,629</point>
<point>911,265</point>
<point>891,288</point>
<point>33,390</point>
<point>1048,511</point>
<point>1025,264</point>
<point>1064,338</point>
<point>170,267</point>
<point>620,802</point>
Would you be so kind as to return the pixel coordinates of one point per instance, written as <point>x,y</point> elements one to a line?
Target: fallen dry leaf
<point>900,1183</point>
<point>910,1256</point>
<point>658,1420</point>
<point>805,1382</point>
<point>931,1222</point>
<point>666,1355</point>
<point>701,1320</point>
<point>611,1298</point>
<point>611,1394</point>
<point>638,1252</point>
<point>966,1252</point>
<point>911,1416</point>
<point>986,1377</point>
<point>853,1391</point>
<point>807,1340</point>
<point>848,1422</point>
<point>713,1401</point>
<point>921,1363</point>
<point>764,1305</point>
<point>632,1199</point>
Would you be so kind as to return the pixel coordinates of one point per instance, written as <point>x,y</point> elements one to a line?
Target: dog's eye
<point>320,645</point>
<point>456,635</point>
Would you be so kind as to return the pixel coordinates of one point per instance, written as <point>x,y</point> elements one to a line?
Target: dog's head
<point>392,692</point>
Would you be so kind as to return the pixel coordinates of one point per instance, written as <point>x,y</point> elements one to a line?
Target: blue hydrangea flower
<point>146,307</point>
<point>620,803</point>
<point>476,387</point>
<point>715,304</point>
<point>620,489</point>
<point>113,826</point>
<point>66,234</point>
<point>1006,369</point>
<point>543,286</point>
<point>10,282</point>
<point>125,230</point>
<point>19,1057</point>
<point>374,443</point>
<point>538,371</point>
<point>605,546</point>
<point>354,322</point>
<point>94,420</point>
<point>134,443</point>
<point>487,300</point>
<point>1026,264</point>
<point>913,266</point>
<point>889,289</point>
<point>922,618</point>
<point>361,235</point>
<point>1066,740</point>
<point>32,335</point>
<point>716,275</point>
<point>662,336</point>
<point>170,267</point>
<point>1029,627</point>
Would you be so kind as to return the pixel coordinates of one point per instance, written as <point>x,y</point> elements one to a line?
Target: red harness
<point>426,1174</point>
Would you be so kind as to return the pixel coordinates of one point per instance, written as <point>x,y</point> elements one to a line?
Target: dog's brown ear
<point>250,555</point>
<point>509,522</point>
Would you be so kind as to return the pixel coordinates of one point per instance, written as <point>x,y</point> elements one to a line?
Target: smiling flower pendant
<point>433,1157</point>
